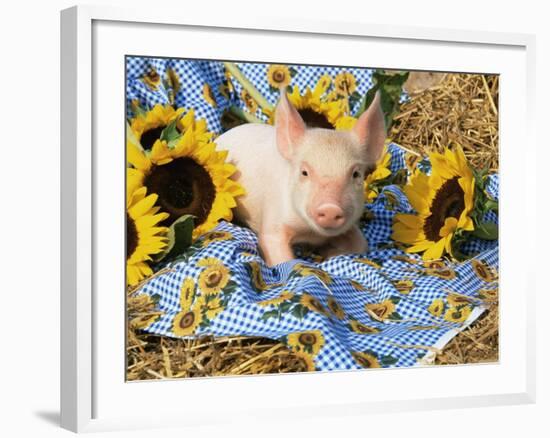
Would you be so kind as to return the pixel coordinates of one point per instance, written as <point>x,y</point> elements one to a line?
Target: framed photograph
<point>315,218</point>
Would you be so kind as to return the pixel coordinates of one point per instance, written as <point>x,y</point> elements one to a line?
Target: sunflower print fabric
<point>386,308</point>
<point>208,88</point>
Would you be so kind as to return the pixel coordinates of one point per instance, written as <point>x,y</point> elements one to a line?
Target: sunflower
<point>215,236</point>
<point>187,293</point>
<point>210,306</point>
<point>215,277</point>
<point>457,314</point>
<point>345,84</point>
<point>437,307</point>
<point>435,264</point>
<point>365,261</point>
<point>313,304</point>
<point>174,82</point>
<point>256,276</point>
<point>359,327</point>
<point>144,236</point>
<point>458,300</point>
<point>190,177</point>
<point>404,286</point>
<point>335,308</point>
<point>208,95</point>
<point>446,274</point>
<point>488,294</point>
<point>151,79</point>
<point>306,271</point>
<point>366,360</point>
<point>249,102</point>
<point>319,113</point>
<point>306,360</point>
<point>357,286</point>
<point>278,76</point>
<point>443,201</point>
<point>483,271</point>
<point>186,321</point>
<point>380,172</point>
<point>284,296</point>
<point>380,311</point>
<point>310,342</point>
<point>148,127</point>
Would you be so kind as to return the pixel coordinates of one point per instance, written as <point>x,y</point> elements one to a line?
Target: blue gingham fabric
<point>385,308</point>
<point>194,74</point>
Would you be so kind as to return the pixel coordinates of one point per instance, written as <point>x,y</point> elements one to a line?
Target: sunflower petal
<point>435,251</point>
<point>136,157</point>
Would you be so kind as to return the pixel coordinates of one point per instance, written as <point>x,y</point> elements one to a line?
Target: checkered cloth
<point>384,308</point>
<point>193,76</point>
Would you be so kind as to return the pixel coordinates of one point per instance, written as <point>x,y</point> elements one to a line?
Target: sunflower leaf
<point>299,311</point>
<point>285,307</point>
<point>170,133</point>
<point>180,236</point>
<point>388,360</point>
<point>270,314</point>
<point>491,205</point>
<point>390,86</point>
<point>486,230</point>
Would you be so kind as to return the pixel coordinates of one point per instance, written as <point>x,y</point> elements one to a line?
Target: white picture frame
<point>93,391</point>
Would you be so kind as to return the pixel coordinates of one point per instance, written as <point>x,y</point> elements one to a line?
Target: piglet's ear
<point>289,127</point>
<point>370,129</point>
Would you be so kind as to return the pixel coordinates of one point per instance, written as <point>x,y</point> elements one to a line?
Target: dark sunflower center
<point>153,75</point>
<point>131,236</point>
<point>444,273</point>
<point>187,320</point>
<point>216,235</point>
<point>482,270</point>
<point>183,187</point>
<point>457,314</point>
<point>363,361</point>
<point>279,76</point>
<point>213,278</point>
<point>380,311</point>
<point>402,287</point>
<point>307,339</point>
<point>448,202</point>
<point>314,119</point>
<point>149,137</point>
<point>316,304</point>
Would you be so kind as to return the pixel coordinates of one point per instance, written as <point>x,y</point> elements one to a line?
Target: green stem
<point>247,85</point>
<point>243,115</point>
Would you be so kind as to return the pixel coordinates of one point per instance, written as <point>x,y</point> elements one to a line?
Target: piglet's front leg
<point>275,246</point>
<point>351,242</point>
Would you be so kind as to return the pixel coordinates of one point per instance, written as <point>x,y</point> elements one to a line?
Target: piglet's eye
<point>356,174</point>
<point>304,173</point>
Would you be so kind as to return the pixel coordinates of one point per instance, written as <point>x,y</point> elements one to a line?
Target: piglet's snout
<point>329,216</point>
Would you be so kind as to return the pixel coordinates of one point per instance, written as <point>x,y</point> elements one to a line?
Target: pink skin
<point>304,185</point>
<point>327,206</point>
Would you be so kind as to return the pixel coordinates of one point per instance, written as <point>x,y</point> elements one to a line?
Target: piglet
<point>304,185</point>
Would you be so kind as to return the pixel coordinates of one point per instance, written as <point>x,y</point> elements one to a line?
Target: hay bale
<point>462,109</point>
